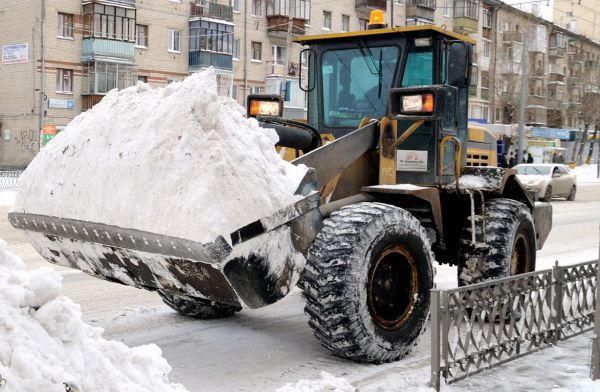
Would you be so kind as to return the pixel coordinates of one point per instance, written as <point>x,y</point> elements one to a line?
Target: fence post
<point>557,301</point>
<point>595,366</point>
<point>435,339</point>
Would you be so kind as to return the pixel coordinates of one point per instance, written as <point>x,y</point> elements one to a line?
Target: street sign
<point>48,133</point>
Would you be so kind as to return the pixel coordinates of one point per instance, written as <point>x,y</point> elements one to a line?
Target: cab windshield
<point>356,83</point>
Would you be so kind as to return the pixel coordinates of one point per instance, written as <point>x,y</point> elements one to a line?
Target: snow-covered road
<point>263,349</point>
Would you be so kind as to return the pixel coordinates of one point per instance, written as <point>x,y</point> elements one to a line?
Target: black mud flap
<point>542,218</point>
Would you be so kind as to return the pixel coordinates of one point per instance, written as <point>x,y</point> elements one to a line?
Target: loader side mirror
<point>264,105</point>
<point>459,64</point>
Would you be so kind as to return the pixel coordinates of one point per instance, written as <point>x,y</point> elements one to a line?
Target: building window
<point>234,92</point>
<point>302,9</point>
<point>236,49</point>
<point>363,23</point>
<point>257,90</point>
<point>466,9</point>
<point>345,23</point>
<point>142,78</point>
<point>257,7</point>
<point>141,35</point>
<point>211,36</point>
<point>487,18</point>
<point>65,25</point>
<point>485,79</point>
<point>174,40</point>
<point>235,4</point>
<point>104,21</point>
<point>256,51</point>
<point>447,8</point>
<point>486,48</point>
<point>327,20</point>
<point>64,80</point>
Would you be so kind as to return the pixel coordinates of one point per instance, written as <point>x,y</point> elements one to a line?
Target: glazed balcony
<point>368,5</point>
<point>556,52</point>
<point>211,10</point>
<point>107,49</point>
<point>420,9</point>
<point>512,36</point>
<point>203,59</point>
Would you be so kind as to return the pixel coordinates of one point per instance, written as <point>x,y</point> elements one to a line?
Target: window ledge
<point>65,38</point>
<point>65,92</point>
<point>235,59</point>
<point>141,47</point>
<point>325,29</point>
<point>174,51</point>
<point>255,61</point>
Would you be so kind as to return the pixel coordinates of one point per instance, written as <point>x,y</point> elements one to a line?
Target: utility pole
<point>521,143</point>
<point>43,73</point>
<point>287,49</point>
<point>245,41</point>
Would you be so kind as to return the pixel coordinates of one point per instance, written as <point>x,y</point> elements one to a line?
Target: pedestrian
<point>513,160</point>
<point>561,158</point>
<point>502,161</point>
<point>529,158</point>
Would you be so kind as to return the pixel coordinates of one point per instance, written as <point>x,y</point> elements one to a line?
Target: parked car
<point>548,180</point>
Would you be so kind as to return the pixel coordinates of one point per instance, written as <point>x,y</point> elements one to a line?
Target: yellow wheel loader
<point>379,204</point>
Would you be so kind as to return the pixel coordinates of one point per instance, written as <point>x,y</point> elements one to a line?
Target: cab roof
<point>394,30</point>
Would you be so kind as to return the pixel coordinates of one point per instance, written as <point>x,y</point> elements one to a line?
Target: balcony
<point>279,24</point>
<point>512,36</point>
<point>211,10</point>
<point>277,68</point>
<point>576,58</point>
<point>556,69</point>
<point>423,9</point>
<point>573,106</point>
<point>130,3</point>
<point>203,59</point>
<point>592,64</point>
<point>368,5</point>
<point>107,49</point>
<point>556,52</point>
<point>591,89</point>
<point>465,25</point>
<point>485,94</point>
<point>553,103</point>
<point>536,100</point>
<point>536,72</point>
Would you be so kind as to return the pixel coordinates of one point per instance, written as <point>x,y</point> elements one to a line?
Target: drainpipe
<point>43,73</point>
<point>245,51</point>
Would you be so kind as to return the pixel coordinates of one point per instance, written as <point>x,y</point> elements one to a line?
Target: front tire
<point>367,282</point>
<point>572,193</point>
<point>198,308</point>
<point>547,194</point>
<point>510,234</point>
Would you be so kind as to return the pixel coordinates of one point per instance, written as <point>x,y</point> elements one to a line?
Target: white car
<point>548,180</point>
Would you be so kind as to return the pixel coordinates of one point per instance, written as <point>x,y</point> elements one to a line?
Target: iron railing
<point>486,324</point>
<point>8,179</point>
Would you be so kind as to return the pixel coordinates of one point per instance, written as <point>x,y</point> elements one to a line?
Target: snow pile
<point>7,198</point>
<point>177,160</point>
<point>44,343</point>
<point>587,174</point>
<point>327,383</point>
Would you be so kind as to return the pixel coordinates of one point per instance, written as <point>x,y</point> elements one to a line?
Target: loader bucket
<point>228,272</point>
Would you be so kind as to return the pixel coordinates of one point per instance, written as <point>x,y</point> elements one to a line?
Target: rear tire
<point>367,282</point>
<point>511,239</point>
<point>547,194</point>
<point>198,308</point>
<point>572,193</point>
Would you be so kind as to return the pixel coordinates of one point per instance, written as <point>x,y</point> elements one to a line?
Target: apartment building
<point>61,57</point>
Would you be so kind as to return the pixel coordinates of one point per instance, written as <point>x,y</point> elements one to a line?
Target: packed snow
<point>44,343</point>
<point>178,160</point>
<point>327,383</point>
<point>587,174</point>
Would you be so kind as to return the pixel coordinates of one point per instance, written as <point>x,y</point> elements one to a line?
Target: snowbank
<point>7,198</point>
<point>587,174</point>
<point>177,160</point>
<point>44,343</point>
<point>327,383</point>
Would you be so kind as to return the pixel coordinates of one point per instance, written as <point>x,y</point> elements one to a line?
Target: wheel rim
<point>392,287</point>
<point>520,254</point>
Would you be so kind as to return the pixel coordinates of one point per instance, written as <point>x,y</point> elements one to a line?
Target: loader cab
<point>353,75</point>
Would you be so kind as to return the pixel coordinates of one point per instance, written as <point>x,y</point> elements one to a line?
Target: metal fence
<point>484,325</point>
<point>8,179</point>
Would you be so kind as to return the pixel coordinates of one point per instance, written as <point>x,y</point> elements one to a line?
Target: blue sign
<point>478,120</point>
<point>70,104</point>
<point>550,133</point>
